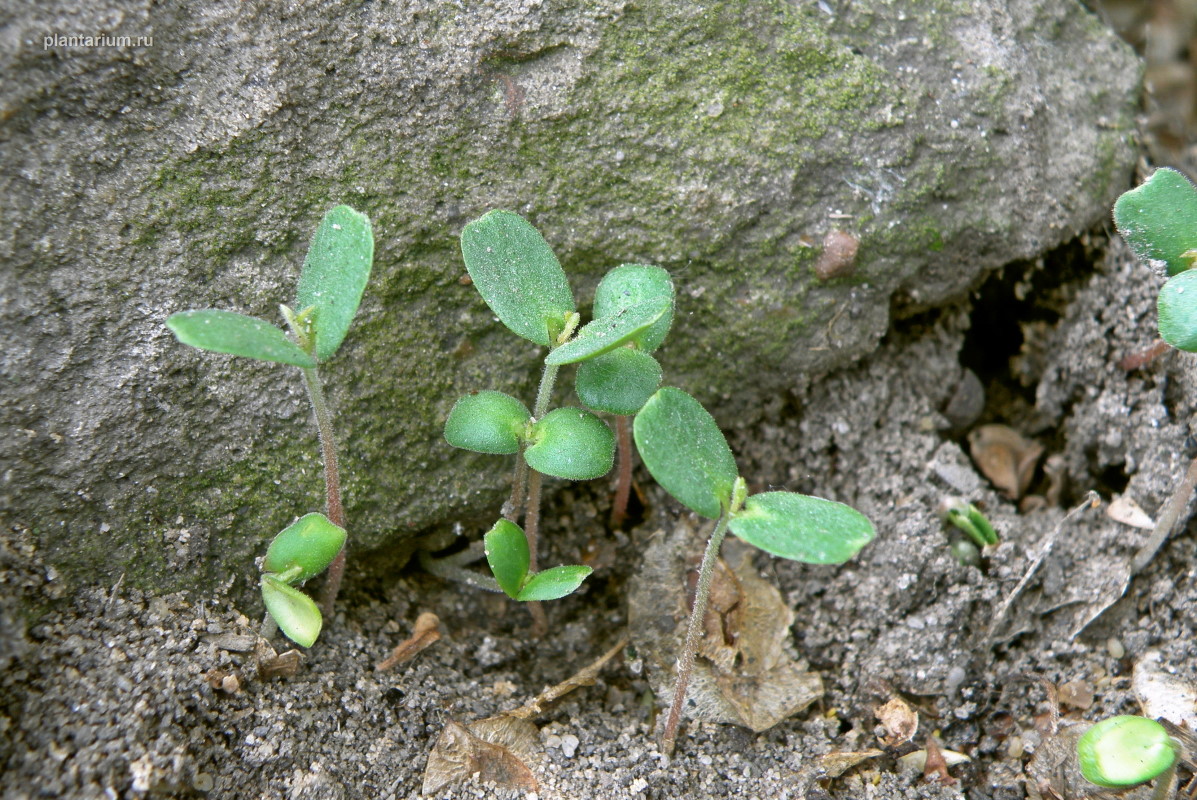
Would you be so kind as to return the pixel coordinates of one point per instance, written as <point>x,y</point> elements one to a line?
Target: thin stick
<point>332,485</point>
<point>1091,499</point>
<point>685,662</point>
<point>535,707</point>
<point>623,484</point>
<point>1173,509</point>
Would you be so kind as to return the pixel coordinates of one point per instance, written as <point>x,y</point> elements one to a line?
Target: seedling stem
<point>332,484</point>
<point>685,662</point>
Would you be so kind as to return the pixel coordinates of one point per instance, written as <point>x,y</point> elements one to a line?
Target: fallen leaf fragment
<point>1125,510</point>
<point>486,748</point>
<point>935,766</point>
<point>1163,695</point>
<point>424,633</point>
<point>833,765</point>
<point>271,665</point>
<point>1006,457</point>
<point>917,760</point>
<point>900,720</point>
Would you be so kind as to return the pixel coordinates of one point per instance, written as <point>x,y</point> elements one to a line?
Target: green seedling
<point>966,518</point>
<point>519,278</point>
<point>1126,751</point>
<point>621,381</point>
<point>687,454</point>
<point>334,275</point>
<point>1159,221</point>
<point>508,556</point>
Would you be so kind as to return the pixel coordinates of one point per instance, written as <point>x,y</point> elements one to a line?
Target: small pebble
<point>1115,648</point>
<point>569,745</point>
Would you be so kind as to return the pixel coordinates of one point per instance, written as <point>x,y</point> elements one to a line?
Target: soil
<point>113,694</point>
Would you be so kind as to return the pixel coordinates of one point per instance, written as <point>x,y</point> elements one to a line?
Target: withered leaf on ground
<point>743,675</point>
<point>494,749</point>
<point>900,720</point>
<point>1006,457</point>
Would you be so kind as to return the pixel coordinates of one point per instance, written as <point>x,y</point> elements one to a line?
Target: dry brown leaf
<point>935,768</point>
<point>900,720</point>
<point>271,665</point>
<point>486,748</point>
<point>1006,457</point>
<point>424,633</point>
<point>757,688</point>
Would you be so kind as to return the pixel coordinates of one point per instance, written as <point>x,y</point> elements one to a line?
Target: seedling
<point>1159,221</point>
<point>334,275</point>
<point>520,279</point>
<point>1126,751</point>
<point>687,454</point>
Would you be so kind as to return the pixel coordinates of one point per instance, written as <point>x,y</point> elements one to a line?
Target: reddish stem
<point>332,486</point>
<point>623,485</point>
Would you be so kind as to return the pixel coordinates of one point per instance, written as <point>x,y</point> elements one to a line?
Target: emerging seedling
<point>1159,222</point>
<point>520,279</point>
<point>335,273</point>
<point>1126,751</point>
<point>687,454</point>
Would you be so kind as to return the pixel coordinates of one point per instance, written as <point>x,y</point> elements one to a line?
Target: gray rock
<point>723,142</point>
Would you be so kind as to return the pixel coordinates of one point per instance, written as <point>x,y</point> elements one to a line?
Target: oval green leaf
<point>571,443</point>
<point>515,271</point>
<point>296,614</point>
<point>1124,751</point>
<point>506,549</point>
<point>631,284</point>
<point>619,382</point>
<point>487,422</point>
<point>335,272</point>
<point>553,584</point>
<point>802,528</point>
<point>309,543</point>
<point>1159,219</point>
<point>685,451</point>
<point>604,335</point>
<point>1177,306</point>
<point>238,335</point>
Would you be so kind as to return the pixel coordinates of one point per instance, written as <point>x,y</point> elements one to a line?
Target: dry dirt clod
<point>900,720</point>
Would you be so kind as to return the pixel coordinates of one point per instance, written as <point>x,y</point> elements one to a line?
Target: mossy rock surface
<point>722,143</point>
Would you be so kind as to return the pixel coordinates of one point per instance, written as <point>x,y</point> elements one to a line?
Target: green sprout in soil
<point>966,518</point>
<point>686,453</point>
<point>335,273</point>
<point>1159,221</point>
<point>520,279</point>
<point>1126,751</point>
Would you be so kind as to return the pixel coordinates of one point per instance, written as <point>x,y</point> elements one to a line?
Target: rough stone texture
<point>721,142</point>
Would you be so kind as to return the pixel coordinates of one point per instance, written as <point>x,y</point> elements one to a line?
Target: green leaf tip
<point>487,422</point>
<point>1125,751</point>
<point>238,335</point>
<point>309,544</point>
<point>296,614</point>
<point>506,549</point>
<point>571,443</point>
<point>607,333</point>
<point>619,382</point>
<point>335,272</point>
<point>631,284</point>
<point>554,583</point>
<point>515,271</point>
<point>1158,219</point>
<point>802,528</point>
<point>684,450</point>
<point>1177,305</point>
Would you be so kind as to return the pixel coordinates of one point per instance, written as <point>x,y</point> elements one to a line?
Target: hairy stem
<point>515,504</point>
<point>685,661</point>
<point>332,485</point>
<point>548,378</point>
<point>623,484</point>
<point>451,567</point>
